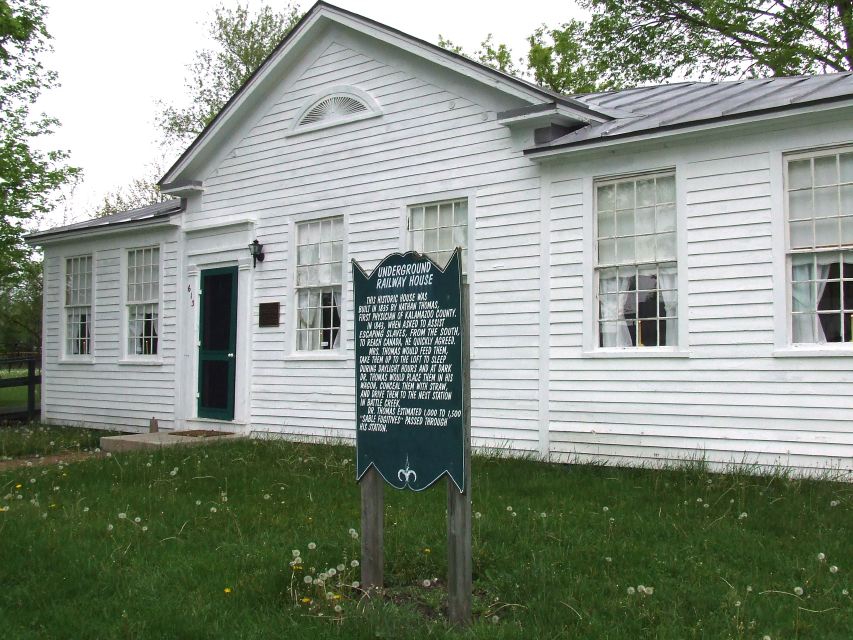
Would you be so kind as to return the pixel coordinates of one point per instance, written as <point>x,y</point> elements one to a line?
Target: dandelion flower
<point>821,557</point>
<point>749,589</point>
<point>427,550</point>
<point>18,486</point>
<point>330,595</point>
<point>514,514</point>
<point>605,509</point>
<point>147,464</point>
<point>543,515</point>
<point>509,508</point>
<point>338,608</point>
<point>212,509</point>
<point>341,567</point>
<point>845,592</point>
<point>356,584</point>
<point>742,516</point>
<point>706,505</point>
<point>833,569</point>
<point>766,638</point>
<point>495,619</point>
<point>144,529</point>
<point>109,527</point>
<point>332,572</point>
<point>352,531</point>
<point>641,588</point>
<point>630,591</point>
<point>308,579</point>
<point>227,590</point>
<point>137,519</point>
<point>173,473</point>
<point>798,591</point>
<point>427,583</point>
<point>306,600</point>
<point>353,564</point>
<point>296,553</point>
<point>85,509</point>
<point>312,546</point>
<point>478,515</point>
<point>353,534</point>
<point>737,604</point>
<point>266,496</point>
<point>122,516</point>
<point>198,503</point>
<point>833,503</point>
<point>608,559</point>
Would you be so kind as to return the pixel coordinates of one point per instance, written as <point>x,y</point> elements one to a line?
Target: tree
<point>635,42</point>
<point>29,179</point>
<point>242,41</point>
<point>141,191</point>
<point>646,41</point>
<point>20,310</point>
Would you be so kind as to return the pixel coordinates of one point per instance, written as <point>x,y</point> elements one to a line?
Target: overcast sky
<point>116,59</point>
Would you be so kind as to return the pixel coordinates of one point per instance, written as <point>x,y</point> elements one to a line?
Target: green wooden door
<point>217,343</point>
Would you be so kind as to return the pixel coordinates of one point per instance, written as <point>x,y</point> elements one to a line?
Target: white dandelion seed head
<point>338,608</point>
<point>478,515</point>
<point>351,531</point>
<point>737,604</point>
<point>332,572</point>
<point>608,559</point>
<point>296,553</point>
<point>798,591</point>
<point>109,527</point>
<point>845,592</point>
<point>212,509</point>
<point>173,473</point>
<point>833,503</point>
<point>495,619</point>
<point>353,534</point>
<point>631,591</point>
<point>356,584</point>
<point>308,579</point>
<point>329,595</point>
<point>766,637</point>
<point>706,505</point>
<point>147,464</point>
<point>353,564</point>
<point>109,455</point>
<point>821,556</point>
<point>605,509</point>
<point>699,500</point>
<point>198,503</point>
<point>341,567</point>
<point>426,583</point>
<point>749,589</point>
<point>514,514</point>
<point>137,519</point>
<point>312,546</point>
<point>85,509</point>
<point>543,515</point>
<point>122,516</point>
<point>743,516</point>
<point>833,569</point>
<point>266,496</point>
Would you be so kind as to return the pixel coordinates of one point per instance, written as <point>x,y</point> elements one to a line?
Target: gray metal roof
<point>671,106</point>
<point>142,214</point>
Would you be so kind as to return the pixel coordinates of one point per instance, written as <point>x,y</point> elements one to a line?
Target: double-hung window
<point>819,197</point>
<point>437,228</point>
<point>78,306</point>
<point>143,301</point>
<point>319,273</point>
<point>636,267</point>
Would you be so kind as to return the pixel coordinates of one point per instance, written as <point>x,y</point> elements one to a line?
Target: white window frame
<point>592,341</point>
<point>291,317</point>
<point>788,346</point>
<point>129,357</point>
<point>407,230</point>
<point>66,354</point>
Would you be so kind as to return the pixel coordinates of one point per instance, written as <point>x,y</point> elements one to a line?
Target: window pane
<point>826,201</point>
<point>625,195</point>
<point>666,218</point>
<point>645,193</point>
<point>625,249</point>
<point>606,198</point>
<point>825,170</point>
<point>845,161</point>
<point>800,174</point>
<point>645,220</point>
<point>826,232</point>
<point>800,205</point>
<point>802,235</point>
<point>666,189</point>
<point>607,251</point>
<point>666,246</point>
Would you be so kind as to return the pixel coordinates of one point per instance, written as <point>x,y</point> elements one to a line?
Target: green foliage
<point>29,178</point>
<point>559,551</point>
<point>242,41</point>
<point>653,40</point>
<point>633,42</point>
<point>20,310</point>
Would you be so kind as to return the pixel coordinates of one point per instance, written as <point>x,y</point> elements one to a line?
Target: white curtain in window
<point>623,336</point>
<point>806,326</point>
<point>667,285</point>
<point>824,261</point>
<point>336,299</point>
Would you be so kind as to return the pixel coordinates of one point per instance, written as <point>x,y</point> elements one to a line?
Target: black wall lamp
<point>257,251</point>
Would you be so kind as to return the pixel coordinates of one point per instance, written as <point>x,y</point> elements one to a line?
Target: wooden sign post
<point>413,403</point>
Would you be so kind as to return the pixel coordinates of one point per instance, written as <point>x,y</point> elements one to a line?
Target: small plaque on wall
<point>268,314</point>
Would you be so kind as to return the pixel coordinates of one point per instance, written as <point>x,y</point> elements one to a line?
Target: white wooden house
<point>657,273</point>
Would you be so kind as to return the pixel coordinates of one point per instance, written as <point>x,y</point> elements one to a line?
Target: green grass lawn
<point>27,440</point>
<point>199,543</point>
<point>15,397</point>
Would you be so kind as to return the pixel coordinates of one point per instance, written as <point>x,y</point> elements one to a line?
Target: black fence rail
<point>13,408</point>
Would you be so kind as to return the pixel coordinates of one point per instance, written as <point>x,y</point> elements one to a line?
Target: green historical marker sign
<point>408,371</point>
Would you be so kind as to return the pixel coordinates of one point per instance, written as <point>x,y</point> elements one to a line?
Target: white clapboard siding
<point>728,399</point>
<point>428,141</point>
<point>104,392</point>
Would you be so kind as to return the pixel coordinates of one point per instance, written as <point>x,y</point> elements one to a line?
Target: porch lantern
<point>257,251</point>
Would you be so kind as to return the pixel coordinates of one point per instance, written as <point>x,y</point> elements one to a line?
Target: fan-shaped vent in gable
<point>331,109</point>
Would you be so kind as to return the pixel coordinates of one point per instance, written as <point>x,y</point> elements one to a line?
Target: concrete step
<point>135,442</point>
